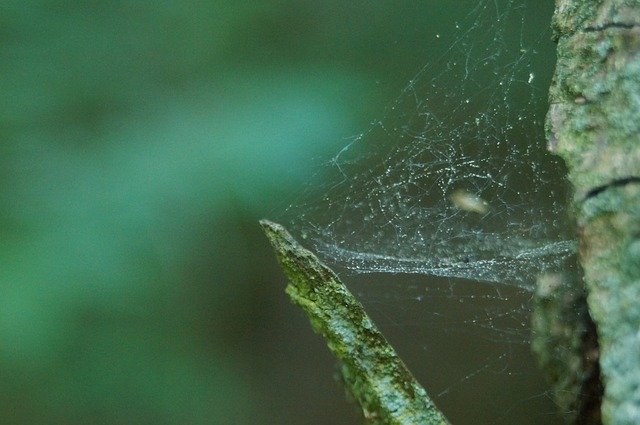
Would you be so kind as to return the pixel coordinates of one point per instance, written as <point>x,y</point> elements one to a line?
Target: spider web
<point>455,180</point>
<point>454,193</point>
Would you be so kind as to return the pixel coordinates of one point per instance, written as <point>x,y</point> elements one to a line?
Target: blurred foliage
<point>140,142</point>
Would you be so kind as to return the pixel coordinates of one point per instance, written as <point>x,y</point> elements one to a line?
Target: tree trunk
<point>594,125</point>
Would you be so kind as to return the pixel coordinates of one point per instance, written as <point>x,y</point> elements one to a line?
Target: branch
<point>372,371</point>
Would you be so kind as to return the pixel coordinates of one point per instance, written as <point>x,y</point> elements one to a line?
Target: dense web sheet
<point>449,208</point>
<point>455,180</point>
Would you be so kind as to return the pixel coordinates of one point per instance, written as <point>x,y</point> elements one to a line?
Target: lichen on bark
<point>371,370</point>
<point>594,125</point>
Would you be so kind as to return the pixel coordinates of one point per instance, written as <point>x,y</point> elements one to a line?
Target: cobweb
<point>455,187</point>
<point>455,180</point>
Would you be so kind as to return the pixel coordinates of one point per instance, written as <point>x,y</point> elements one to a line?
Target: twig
<point>372,371</point>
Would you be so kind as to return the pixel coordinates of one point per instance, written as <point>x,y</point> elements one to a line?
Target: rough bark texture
<point>594,124</point>
<point>372,371</point>
<point>564,341</point>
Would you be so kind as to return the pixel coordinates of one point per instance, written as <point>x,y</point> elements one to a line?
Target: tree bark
<point>371,370</point>
<point>594,125</point>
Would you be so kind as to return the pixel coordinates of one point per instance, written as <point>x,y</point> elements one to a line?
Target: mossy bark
<point>564,341</point>
<point>594,125</point>
<point>372,371</point>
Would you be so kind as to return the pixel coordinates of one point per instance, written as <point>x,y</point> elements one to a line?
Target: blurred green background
<point>140,143</point>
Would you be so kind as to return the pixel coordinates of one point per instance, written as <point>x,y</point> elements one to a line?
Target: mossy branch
<point>372,371</point>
